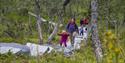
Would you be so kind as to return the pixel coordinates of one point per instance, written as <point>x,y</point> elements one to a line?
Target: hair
<point>63,30</point>
<point>73,18</point>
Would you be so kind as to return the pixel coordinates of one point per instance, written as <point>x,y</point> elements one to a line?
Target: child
<point>68,51</point>
<point>64,36</point>
<point>85,34</point>
<point>69,45</point>
<point>84,21</point>
<point>81,31</point>
<point>77,41</point>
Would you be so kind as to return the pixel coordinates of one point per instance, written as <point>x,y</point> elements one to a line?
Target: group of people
<point>72,30</point>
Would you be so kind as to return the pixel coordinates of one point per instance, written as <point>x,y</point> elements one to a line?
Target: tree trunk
<point>60,14</point>
<point>38,18</point>
<point>95,38</point>
<point>53,33</point>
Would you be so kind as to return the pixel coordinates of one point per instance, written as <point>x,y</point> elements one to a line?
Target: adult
<point>71,28</point>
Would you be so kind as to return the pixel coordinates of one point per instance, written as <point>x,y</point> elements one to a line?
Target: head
<point>88,17</point>
<point>73,19</point>
<point>63,31</point>
<point>84,17</point>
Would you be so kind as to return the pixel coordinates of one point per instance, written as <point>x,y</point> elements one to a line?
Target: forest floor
<point>113,52</point>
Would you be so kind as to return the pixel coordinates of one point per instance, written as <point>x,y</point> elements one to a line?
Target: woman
<point>72,27</point>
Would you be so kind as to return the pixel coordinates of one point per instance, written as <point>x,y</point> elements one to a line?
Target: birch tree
<point>95,37</point>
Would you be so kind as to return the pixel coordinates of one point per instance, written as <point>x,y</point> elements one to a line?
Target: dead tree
<point>38,18</point>
<point>60,15</point>
<point>95,38</point>
<point>53,33</point>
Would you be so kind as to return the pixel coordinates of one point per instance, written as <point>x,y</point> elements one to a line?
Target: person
<point>84,21</point>
<point>83,24</point>
<point>77,40</point>
<point>64,36</point>
<point>81,31</point>
<point>72,27</point>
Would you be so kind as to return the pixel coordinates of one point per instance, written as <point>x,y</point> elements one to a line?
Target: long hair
<point>70,20</point>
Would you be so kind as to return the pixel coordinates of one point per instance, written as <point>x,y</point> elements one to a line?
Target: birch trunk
<point>95,38</point>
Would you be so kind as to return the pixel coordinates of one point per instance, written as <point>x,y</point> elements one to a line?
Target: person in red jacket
<point>64,37</point>
<point>84,21</point>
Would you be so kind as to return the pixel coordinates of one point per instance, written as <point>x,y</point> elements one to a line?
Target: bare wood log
<point>95,38</point>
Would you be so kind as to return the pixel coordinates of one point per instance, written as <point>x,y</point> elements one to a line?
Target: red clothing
<point>64,37</point>
<point>84,21</point>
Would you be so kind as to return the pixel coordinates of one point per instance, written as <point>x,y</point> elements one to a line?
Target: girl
<point>64,36</point>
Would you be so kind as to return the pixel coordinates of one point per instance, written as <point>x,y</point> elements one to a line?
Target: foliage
<point>16,25</point>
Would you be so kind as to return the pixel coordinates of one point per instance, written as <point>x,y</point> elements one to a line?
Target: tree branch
<point>42,19</point>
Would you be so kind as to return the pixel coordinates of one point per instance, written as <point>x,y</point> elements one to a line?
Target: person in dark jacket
<point>71,28</point>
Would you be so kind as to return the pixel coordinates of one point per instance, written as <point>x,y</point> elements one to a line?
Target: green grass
<point>84,55</point>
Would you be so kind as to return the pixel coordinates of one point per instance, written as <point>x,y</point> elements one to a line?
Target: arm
<point>67,26</point>
<point>67,34</point>
<point>76,28</point>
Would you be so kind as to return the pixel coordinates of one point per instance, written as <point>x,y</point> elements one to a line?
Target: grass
<point>113,53</point>
<point>85,55</point>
